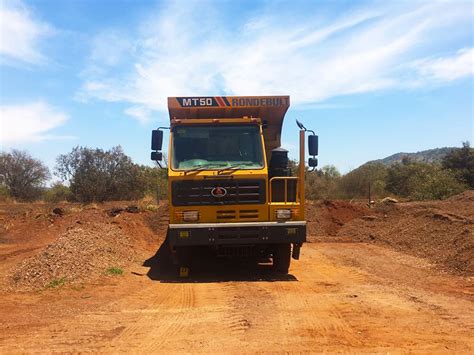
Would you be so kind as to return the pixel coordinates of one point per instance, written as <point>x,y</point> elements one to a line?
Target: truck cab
<point>230,187</point>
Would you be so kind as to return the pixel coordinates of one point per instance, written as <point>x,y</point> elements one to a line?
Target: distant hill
<point>425,156</point>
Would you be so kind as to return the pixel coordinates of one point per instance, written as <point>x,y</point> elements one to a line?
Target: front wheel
<point>282,257</point>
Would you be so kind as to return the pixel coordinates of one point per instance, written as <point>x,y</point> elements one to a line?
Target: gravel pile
<point>82,253</point>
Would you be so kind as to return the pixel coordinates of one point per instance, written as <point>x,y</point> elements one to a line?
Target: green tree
<point>322,183</point>
<point>57,193</point>
<point>461,163</point>
<point>355,184</point>
<point>4,193</point>
<point>154,181</point>
<point>98,175</point>
<point>422,181</point>
<point>23,176</point>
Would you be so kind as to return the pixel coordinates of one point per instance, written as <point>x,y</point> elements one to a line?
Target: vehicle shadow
<point>207,268</point>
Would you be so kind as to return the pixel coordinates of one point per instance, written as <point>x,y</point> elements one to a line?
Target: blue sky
<point>372,78</point>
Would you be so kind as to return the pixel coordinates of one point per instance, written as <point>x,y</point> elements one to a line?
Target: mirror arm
<point>300,125</point>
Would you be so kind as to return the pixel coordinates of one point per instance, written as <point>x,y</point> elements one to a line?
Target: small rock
<point>58,211</point>
<point>132,209</point>
<point>114,212</point>
<point>389,200</point>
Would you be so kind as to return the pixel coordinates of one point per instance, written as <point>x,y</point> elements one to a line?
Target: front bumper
<point>237,233</point>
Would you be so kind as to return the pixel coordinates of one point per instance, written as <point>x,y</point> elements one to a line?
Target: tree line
<point>96,175</point>
<point>86,175</point>
<point>407,179</point>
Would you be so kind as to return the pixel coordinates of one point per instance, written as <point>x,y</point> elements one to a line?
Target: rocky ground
<point>395,277</point>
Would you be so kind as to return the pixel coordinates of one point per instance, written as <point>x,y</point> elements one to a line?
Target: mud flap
<point>183,259</point>
<point>296,251</point>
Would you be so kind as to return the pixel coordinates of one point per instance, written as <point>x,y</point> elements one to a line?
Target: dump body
<point>222,191</point>
<point>270,109</point>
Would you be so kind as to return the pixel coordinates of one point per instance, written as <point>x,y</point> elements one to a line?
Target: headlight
<point>190,216</point>
<point>283,214</point>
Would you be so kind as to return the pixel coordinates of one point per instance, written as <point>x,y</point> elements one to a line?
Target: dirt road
<point>338,297</point>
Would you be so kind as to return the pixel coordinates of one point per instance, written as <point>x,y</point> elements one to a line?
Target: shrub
<point>57,193</point>
<point>355,184</point>
<point>115,271</point>
<point>22,176</point>
<point>421,181</point>
<point>4,193</point>
<point>323,183</point>
<point>98,175</point>
<point>56,283</point>
<point>461,163</point>
<point>154,181</point>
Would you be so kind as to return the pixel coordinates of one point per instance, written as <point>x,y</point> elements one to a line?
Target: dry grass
<point>148,203</point>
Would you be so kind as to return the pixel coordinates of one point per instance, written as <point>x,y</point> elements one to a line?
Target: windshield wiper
<point>233,167</point>
<point>200,168</point>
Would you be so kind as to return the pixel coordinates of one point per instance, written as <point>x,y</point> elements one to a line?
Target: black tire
<point>282,257</point>
<point>165,259</point>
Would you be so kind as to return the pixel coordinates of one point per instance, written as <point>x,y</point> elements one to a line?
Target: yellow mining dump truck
<point>230,186</point>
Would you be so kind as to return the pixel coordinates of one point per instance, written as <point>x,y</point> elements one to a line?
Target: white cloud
<point>29,122</point>
<point>20,34</point>
<point>109,48</point>
<point>189,51</point>
<point>450,68</point>
<point>140,113</point>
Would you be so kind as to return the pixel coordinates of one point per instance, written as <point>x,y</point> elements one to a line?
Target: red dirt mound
<point>466,196</point>
<point>431,230</point>
<point>325,218</point>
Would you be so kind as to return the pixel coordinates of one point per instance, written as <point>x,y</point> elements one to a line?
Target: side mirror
<point>313,145</point>
<point>313,162</point>
<point>157,156</point>
<point>156,139</point>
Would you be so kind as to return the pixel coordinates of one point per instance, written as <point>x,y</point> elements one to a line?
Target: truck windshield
<point>217,147</point>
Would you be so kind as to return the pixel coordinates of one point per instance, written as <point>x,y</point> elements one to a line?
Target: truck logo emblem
<point>218,192</point>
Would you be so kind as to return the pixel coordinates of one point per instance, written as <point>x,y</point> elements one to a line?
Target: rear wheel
<point>282,257</point>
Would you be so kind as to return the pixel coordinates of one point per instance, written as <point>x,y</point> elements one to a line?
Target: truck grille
<point>199,192</point>
<point>233,215</point>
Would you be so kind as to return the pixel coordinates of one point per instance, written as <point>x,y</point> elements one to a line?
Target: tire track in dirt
<point>153,313</point>
<point>249,306</point>
<point>117,324</point>
<point>395,307</point>
<point>176,321</point>
<point>318,292</point>
<point>326,282</point>
<point>333,305</point>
